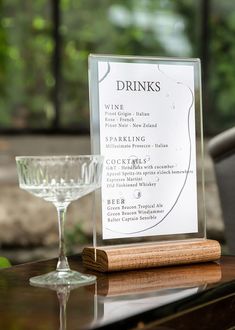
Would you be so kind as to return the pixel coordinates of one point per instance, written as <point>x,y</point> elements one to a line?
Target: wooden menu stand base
<point>116,258</point>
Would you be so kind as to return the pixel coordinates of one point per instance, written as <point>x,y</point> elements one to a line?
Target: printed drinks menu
<point>147,136</point>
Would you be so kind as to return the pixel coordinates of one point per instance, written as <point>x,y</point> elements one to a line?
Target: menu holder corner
<point>140,256</point>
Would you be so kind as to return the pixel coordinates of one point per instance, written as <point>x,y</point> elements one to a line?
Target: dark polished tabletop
<point>200,296</point>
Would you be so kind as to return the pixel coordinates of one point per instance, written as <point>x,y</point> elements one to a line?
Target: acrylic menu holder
<point>146,120</point>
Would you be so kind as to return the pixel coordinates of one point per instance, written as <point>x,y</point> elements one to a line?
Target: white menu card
<point>145,114</point>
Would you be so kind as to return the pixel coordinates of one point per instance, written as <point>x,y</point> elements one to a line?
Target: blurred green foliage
<point>75,236</point>
<point>143,27</point>
<point>222,68</point>
<point>4,262</point>
<point>26,48</point>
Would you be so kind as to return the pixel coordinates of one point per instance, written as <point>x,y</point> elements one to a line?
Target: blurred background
<point>44,46</point>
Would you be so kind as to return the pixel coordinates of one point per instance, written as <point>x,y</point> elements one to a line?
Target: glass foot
<point>69,277</point>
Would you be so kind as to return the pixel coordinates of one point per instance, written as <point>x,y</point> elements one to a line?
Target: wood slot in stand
<point>116,258</point>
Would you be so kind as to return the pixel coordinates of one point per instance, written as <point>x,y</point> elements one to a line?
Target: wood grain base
<point>116,258</point>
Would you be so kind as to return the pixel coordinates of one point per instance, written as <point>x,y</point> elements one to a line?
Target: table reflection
<point>124,294</point>
<point>158,278</point>
<point>63,293</point>
<point>113,297</point>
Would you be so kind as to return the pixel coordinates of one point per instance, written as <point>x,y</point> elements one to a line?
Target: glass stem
<point>63,297</point>
<point>62,264</point>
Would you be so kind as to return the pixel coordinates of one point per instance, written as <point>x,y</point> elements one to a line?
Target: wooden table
<point>185,297</point>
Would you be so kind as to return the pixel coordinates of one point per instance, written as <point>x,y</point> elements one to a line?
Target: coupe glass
<point>60,180</point>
